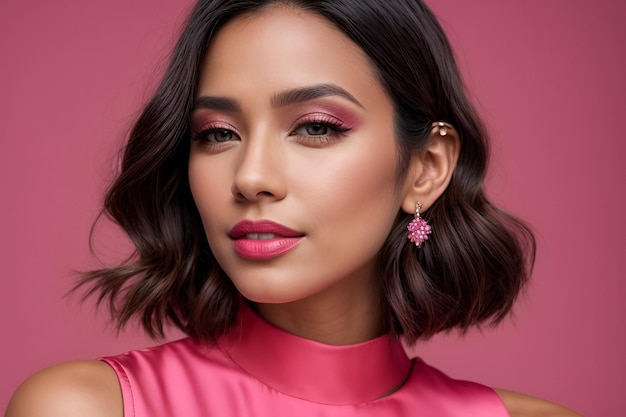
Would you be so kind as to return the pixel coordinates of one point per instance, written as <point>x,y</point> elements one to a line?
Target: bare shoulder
<point>72,389</point>
<point>520,405</point>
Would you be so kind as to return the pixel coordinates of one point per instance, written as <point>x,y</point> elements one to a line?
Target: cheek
<point>359,180</point>
<point>197,184</point>
<point>354,199</point>
<point>206,191</point>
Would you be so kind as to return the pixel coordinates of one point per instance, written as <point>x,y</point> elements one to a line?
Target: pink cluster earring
<point>418,228</point>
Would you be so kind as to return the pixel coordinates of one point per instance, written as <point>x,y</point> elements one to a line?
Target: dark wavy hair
<point>471,270</point>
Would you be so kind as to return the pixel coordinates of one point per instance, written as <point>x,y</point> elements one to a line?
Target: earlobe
<point>431,170</point>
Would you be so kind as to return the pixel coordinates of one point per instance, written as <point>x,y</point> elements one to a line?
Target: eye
<point>222,135</point>
<point>316,129</point>
<point>215,136</point>
<point>319,129</point>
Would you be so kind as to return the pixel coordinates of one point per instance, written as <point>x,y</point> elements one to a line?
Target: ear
<point>430,171</point>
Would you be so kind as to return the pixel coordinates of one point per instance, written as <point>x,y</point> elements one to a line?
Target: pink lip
<point>284,240</point>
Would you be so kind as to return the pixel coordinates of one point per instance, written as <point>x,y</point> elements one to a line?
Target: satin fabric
<point>259,370</point>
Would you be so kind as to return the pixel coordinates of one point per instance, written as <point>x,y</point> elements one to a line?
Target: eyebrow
<point>282,99</point>
<point>299,95</point>
<point>217,103</point>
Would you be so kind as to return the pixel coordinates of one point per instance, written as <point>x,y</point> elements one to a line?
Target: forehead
<point>286,46</point>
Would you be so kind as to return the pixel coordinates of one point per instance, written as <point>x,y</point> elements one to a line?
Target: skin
<point>271,167</point>
<point>272,164</point>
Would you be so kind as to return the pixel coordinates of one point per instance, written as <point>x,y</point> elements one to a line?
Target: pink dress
<point>262,371</point>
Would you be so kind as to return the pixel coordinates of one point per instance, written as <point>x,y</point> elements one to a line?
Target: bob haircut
<point>469,272</point>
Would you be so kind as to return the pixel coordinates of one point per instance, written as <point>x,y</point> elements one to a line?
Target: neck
<point>314,371</point>
<point>333,317</point>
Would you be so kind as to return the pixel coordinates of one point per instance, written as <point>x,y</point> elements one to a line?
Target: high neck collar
<point>315,371</point>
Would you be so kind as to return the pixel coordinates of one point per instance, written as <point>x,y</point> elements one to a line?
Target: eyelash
<point>334,130</point>
<point>203,136</point>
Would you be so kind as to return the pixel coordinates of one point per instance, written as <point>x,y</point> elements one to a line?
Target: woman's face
<point>293,159</point>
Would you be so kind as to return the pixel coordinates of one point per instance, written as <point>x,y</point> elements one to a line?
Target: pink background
<point>549,77</point>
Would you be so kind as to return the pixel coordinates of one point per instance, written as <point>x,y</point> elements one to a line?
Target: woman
<point>277,188</point>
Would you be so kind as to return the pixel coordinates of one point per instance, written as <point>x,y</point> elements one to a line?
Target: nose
<point>259,174</point>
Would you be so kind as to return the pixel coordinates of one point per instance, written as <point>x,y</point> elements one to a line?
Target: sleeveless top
<point>259,370</point>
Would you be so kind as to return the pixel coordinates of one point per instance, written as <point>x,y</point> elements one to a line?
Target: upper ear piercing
<point>442,127</point>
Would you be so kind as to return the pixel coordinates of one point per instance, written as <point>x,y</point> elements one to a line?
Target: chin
<point>273,291</point>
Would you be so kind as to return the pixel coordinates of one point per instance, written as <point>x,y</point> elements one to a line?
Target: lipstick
<point>263,239</point>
